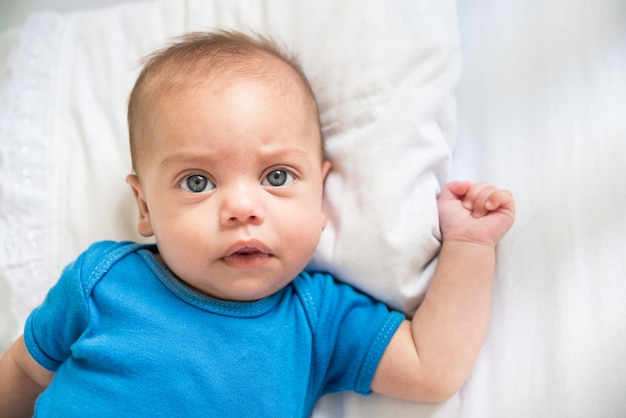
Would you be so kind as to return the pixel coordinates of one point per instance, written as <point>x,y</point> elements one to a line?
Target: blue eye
<point>196,184</point>
<point>278,178</point>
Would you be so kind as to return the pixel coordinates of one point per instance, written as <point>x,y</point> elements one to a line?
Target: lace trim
<point>25,119</point>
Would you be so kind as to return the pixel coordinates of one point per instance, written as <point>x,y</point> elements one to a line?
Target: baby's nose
<point>242,205</point>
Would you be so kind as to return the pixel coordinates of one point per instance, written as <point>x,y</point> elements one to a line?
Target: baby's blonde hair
<point>199,57</point>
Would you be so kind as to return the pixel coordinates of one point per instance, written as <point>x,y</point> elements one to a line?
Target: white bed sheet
<point>542,111</point>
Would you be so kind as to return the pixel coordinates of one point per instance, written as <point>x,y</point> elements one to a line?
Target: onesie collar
<point>202,301</point>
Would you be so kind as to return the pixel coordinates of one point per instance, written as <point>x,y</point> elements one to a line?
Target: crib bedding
<point>525,94</point>
<point>542,105</point>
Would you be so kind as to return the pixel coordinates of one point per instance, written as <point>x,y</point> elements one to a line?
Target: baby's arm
<point>22,379</point>
<point>429,358</point>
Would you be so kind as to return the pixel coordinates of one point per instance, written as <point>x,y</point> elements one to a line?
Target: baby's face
<point>231,187</point>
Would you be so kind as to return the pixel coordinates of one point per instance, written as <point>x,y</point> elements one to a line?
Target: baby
<point>220,316</point>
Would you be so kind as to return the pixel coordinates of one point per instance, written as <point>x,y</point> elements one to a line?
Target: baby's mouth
<point>247,255</point>
<point>247,251</point>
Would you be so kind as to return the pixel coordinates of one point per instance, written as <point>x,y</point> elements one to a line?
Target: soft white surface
<point>384,75</point>
<point>542,111</point>
<point>13,13</point>
<point>541,105</point>
<point>544,100</point>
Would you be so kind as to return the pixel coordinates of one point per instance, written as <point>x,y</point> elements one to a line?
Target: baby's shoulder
<point>324,292</point>
<point>106,252</point>
<point>95,261</point>
<point>315,283</point>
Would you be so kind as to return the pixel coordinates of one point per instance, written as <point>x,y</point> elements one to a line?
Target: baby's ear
<point>326,166</point>
<point>144,226</point>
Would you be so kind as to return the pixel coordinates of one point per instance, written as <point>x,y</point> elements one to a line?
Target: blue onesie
<point>126,338</point>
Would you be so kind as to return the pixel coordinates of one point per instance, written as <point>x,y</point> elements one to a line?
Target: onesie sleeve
<point>59,321</point>
<point>351,333</point>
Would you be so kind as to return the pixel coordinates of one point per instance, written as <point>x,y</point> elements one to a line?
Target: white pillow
<point>384,75</point>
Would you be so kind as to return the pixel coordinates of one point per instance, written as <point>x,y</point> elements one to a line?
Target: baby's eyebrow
<point>268,154</point>
<point>286,151</point>
<point>185,158</point>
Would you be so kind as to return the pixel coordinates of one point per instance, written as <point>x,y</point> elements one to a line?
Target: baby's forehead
<point>165,80</point>
<point>203,68</point>
<point>265,69</point>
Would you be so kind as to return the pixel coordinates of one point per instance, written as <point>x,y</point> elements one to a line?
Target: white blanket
<point>541,111</point>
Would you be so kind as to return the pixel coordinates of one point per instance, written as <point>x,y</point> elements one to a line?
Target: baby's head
<point>228,164</point>
<point>214,60</point>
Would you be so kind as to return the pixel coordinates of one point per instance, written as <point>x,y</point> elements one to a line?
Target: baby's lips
<point>244,247</point>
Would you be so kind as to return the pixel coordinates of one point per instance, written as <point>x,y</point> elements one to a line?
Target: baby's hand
<point>475,212</point>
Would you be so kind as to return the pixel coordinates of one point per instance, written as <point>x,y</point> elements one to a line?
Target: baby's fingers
<point>455,190</point>
<point>492,199</point>
<point>482,198</point>
<point>479,196</point>
<point>501,198</point>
